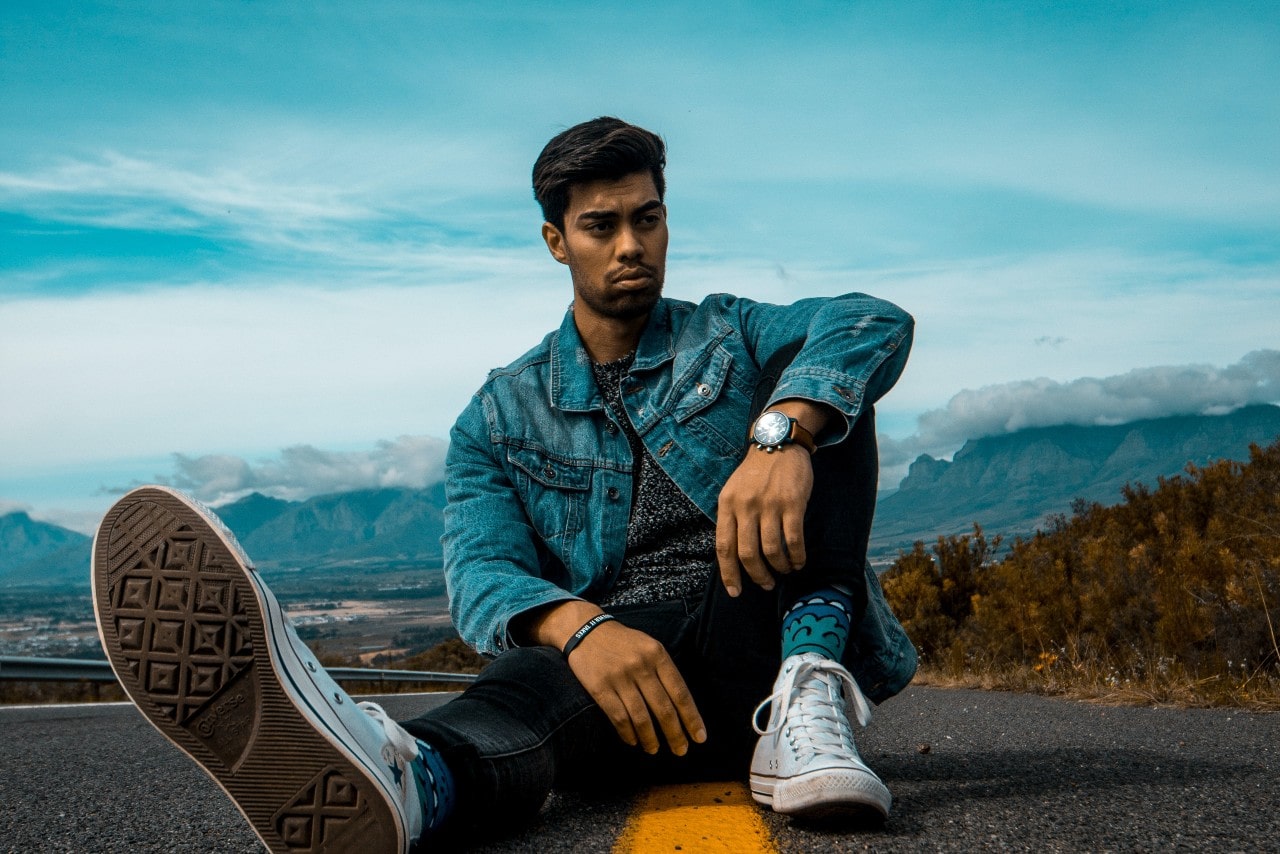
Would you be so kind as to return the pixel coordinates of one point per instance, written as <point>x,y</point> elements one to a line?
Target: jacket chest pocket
<point>708,406</point>
<point>554,490</point>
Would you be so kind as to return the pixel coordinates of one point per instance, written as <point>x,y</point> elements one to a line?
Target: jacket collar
<point>573,387</point>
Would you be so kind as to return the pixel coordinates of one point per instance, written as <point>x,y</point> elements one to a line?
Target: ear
<point>555,242</point>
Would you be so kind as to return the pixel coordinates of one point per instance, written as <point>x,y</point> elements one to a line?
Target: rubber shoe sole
<point>825,795</point>
<point>197,642</point>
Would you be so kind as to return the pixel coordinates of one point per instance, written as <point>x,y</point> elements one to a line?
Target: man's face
<point>615,245</point>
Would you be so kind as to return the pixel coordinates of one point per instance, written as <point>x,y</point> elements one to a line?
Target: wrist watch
<point>773,429</point>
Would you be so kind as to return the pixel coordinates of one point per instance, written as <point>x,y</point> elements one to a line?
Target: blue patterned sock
<point>435,786</point>
<point>818,622</point>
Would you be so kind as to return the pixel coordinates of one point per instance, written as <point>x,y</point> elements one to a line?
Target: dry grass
<point>1254,693</point>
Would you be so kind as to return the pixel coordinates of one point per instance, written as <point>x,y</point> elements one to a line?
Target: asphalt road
<point>1001,772</point>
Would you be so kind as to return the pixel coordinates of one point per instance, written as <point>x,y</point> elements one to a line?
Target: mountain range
<point>349,527</point>
<point>1009,484</point>
<point>34,552</point>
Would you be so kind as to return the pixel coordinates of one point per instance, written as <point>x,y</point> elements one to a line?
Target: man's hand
<point>629,675</point>
<point>760,517</point>
<point>635,682</point>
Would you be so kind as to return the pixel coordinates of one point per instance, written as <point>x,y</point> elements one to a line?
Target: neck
<point>608,338</point>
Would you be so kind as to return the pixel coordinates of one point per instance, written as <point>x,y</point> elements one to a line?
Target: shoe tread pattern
<point>329,809</point>
<point>184,631</point>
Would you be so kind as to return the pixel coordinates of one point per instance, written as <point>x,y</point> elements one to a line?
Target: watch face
<point>771,428</point>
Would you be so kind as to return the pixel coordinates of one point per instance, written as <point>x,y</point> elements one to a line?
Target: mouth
<point>638,278</point>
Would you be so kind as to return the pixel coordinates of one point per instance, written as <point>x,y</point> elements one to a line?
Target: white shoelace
<point>816,723</point>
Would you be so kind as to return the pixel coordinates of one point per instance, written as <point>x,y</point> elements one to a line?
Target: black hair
<point>604,148</point>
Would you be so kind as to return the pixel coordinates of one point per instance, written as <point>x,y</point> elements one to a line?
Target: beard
<point>622,304</point>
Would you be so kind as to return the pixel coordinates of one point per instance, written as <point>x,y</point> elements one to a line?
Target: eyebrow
<point>598,216</point>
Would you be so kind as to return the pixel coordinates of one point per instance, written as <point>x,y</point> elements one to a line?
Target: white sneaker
<point>806,763</point>
<point>206,654</point>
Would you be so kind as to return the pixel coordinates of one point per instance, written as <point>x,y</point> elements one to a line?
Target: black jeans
<point>527,724</point>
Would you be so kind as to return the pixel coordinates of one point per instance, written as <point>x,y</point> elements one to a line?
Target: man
<point>653,516</point>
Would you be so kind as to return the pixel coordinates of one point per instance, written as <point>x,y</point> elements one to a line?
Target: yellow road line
<point>698,817</point>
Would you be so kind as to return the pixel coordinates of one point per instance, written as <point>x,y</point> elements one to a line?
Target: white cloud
<point>992,321</point>
<point>302,471</point>
<point>127,191</point>
<point>337,198</point>
<point>1142,393</point>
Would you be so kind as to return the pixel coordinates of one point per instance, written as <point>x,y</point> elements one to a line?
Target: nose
<point>629,247</point>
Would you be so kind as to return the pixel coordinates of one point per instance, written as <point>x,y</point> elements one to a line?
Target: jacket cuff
<point>839,391</point>
<point>501,637</point>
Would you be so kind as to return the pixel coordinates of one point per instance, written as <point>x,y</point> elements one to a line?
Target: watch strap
<point>802,437</point>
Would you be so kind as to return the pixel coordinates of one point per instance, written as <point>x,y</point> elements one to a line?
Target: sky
<point>276,246</point>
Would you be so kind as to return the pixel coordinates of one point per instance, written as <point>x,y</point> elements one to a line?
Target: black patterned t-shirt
<point>670,543</point>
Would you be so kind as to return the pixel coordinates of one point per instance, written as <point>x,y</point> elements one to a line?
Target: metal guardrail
<point>29,669</point>
<point>362,674</point>
<point>15,668</point>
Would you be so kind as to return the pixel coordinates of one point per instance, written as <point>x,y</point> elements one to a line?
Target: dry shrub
<point>1169,597</point>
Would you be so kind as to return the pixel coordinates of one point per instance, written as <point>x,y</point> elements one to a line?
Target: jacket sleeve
<point>853,350</point>
<point>491,557</point>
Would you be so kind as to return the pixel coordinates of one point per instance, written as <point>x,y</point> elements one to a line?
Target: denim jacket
<point>539,475</point>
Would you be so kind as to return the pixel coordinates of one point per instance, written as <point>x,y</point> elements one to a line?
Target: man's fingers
<point>727,552</point>
<point>793,531</point>
<point>616,711</point>
<point>749,553</point>
<point>663,711</point>
<point>638,711</point>
<point>773,545</point>
<point>689,719</point>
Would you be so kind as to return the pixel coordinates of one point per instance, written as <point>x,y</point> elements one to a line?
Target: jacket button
<point>610,427</point>
<point>613,493</point>
<point>549,472</point>
<point>704,390</point>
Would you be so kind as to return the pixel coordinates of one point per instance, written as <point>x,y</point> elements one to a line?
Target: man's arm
<point>496,594</point>
<point>491,558</point>
<point>854,349</point>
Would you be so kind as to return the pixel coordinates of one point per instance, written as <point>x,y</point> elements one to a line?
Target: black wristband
<point>587,628</point>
